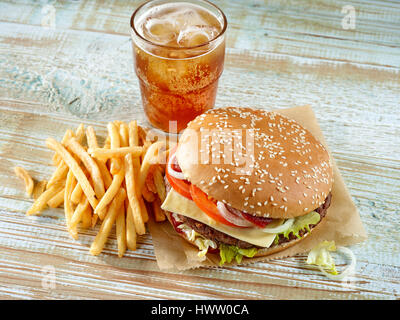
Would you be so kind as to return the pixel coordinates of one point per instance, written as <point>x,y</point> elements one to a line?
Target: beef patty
<point>220,237</point>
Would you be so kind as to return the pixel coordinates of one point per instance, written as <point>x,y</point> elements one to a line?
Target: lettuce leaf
<point>228,253</point>
<point>320,256</point>
<point>301,223</point>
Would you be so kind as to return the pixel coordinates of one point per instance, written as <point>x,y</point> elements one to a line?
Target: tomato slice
<point>180,186</point>
<point>258,221</point>
<point>207,206</point>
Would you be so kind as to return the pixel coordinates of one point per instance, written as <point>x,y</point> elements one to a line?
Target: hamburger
<point>244,182</point>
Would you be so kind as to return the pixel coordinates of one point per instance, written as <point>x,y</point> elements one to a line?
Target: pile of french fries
<point>117,183</point>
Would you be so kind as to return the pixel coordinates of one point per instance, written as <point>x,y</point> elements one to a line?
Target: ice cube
<point>196,35</point>
<point>160,31</point>
<point>187,17</point>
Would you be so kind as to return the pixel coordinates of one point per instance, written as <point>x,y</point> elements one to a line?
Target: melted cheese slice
<point>181,205</point>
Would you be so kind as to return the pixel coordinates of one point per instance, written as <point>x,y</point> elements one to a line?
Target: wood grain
<point>279,54</point>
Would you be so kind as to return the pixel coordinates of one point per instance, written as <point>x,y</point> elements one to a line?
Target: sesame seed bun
<point>256,161</point>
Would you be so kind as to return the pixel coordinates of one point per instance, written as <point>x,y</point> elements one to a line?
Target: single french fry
<point>57,161</point>
<point>76,194</point>
<point>120,229</point>
<point>148,160</point>
<point>69,186</point>
<point>76,170</point>
<point>91,137</point>
<point>25,176</point>
<point>131,191</point>
<point>143,210</point>
<point>105,173</point>
<point>107,143</point>
<point>159,214</point>
<point>104,231</point>
<point>159,183</point>
<point>41,202</point>
<point>115,143</point>
<point>90,164</point>
<point>149,181</point>
<point>133,134</point>
<point>80,133</point>
<point>146,145</point>
<point>124,134</point>
<point>147,194</point>
<point>59,174</point>
<point>104,154</point>
<point>110,193</point>
<point>39,188</point>
<point>142,134</point>
<point>130,227</point>
<point>95,218</point>
<point>77,216</point>
<point>92,143</point>
<point>57,200</point>
<point>87,218</point>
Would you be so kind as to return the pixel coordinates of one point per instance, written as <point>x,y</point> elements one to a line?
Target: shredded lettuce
<point>202,243</point>
<point>228,253</point>
<point>320,256</point>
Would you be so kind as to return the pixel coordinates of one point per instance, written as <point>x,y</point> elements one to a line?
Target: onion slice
<point>171,171</point>
<point>282,228</point>
<point>347,271</point>
<point>231,217</point>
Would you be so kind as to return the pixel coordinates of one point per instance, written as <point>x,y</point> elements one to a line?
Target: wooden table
<point>279,54</point>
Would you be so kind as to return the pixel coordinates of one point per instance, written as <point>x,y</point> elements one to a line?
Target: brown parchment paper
<point>341,224</point>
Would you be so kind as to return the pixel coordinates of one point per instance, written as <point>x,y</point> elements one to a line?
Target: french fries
<point>75,168</point>
<point>114,184</point>
<point>149,159</point>
<point>90,165</point>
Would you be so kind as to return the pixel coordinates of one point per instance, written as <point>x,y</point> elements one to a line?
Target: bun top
<point>256,161</point>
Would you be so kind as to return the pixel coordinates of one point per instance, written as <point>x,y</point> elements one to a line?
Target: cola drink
<point>179,50</point>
